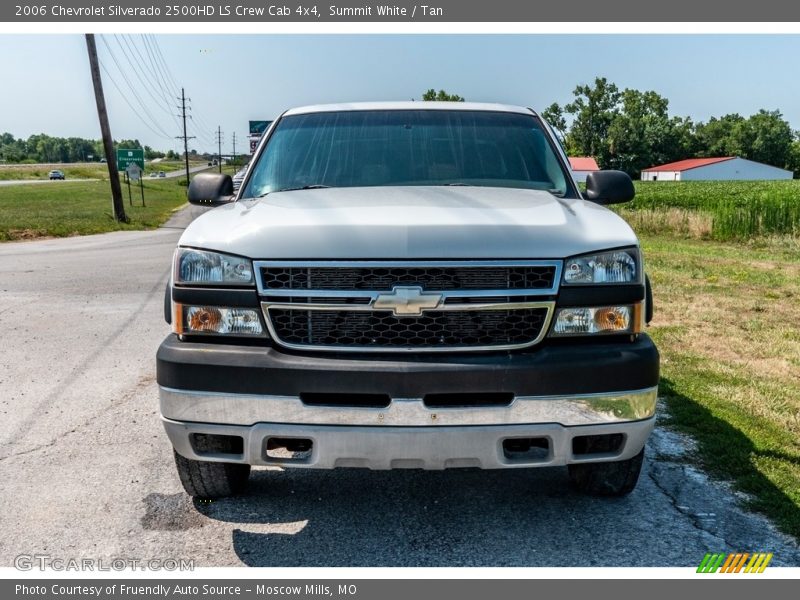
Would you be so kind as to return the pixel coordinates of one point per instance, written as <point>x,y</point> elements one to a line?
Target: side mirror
<point>609,187</point>
<point>211,189</point>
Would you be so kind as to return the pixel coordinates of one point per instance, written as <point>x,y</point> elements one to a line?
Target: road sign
<point>134,171</point>
<point>126,156</point>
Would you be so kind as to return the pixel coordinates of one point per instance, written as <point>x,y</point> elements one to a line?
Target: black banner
<point>730,588</point>
<point>440,11</point>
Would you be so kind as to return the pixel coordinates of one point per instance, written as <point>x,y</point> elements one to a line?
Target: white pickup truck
<point>408,285</point>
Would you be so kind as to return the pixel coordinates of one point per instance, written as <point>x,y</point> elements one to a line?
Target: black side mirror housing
<point>609,187</point>
<point>211,189</point>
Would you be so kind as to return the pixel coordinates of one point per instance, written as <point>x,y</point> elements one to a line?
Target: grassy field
<point>719,210</point>
<point>727,323</point>
<point>80,170</point>
<point>80,208</point>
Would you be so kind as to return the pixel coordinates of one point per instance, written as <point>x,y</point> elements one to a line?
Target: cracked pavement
<point>87,471</point>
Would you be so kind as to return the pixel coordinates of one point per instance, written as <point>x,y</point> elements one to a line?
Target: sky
<point>232,79</point>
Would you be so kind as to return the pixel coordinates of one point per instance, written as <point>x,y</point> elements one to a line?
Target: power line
<point>135,112</point>
<point>161,78</point>
<point>133,90</point>
<point>160,55</point>
<point>142,79</point>
<point>203,125</point>
<point>152,80</point>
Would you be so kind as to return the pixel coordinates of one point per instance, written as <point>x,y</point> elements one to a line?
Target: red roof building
<point>583,163</point>
<point>689,163</point>
<point>722,168</point>
<point>582,166</point>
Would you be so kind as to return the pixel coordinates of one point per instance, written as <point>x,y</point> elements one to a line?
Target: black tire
<point>204,479</point>
<point>616,478</point>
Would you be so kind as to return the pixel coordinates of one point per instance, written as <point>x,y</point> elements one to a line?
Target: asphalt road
<point>167,175</point>
<point>86,470</point>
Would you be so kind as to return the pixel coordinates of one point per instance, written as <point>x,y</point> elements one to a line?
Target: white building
<point>715,169</point>
<point>582,166</point>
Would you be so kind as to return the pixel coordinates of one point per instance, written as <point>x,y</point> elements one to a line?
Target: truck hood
<point>413,222</point>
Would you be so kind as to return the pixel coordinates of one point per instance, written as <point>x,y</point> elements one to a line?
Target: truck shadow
<point>417,518</point>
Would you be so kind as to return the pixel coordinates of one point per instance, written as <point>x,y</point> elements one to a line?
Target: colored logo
<point>740,562</point>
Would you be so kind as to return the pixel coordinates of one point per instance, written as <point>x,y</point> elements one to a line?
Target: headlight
<point>203,267</point>
<point>594,320</point>
<point>619,266</point>
<point>217,320</point>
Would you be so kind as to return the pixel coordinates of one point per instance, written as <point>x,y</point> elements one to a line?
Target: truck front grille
<point>424,306</point>
<point>381,329</point>
<point>534,277</point>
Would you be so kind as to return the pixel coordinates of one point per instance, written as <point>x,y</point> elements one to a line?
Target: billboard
<point>258,127</point>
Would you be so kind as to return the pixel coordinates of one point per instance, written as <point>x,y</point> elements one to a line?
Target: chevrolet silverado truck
<point>408,285</point>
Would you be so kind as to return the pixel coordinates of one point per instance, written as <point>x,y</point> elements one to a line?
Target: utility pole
<point>234,149</point>
<point>185,137</point>
<point>117,204</point>
<point>219,147</point>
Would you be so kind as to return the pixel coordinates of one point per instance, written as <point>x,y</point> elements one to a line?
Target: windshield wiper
<point>556,192</point>
<point>458,183</point>
<point>312,186</point>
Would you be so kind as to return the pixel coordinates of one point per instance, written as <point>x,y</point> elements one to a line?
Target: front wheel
<point>205,479</point>
<point>616,478</point>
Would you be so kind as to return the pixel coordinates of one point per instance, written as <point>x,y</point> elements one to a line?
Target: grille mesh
<point>370,329</point>
<point>533,277</point>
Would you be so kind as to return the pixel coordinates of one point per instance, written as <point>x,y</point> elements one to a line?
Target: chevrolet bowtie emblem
<point>407,301</point>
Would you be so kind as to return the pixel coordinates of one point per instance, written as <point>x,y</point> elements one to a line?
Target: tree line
<point>42,148</point>
<point>631,130</point>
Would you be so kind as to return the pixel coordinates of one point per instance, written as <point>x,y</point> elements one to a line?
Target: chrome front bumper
<point>407,434</point>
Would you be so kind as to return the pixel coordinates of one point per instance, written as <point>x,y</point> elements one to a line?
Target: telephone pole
<point>185,137</point>
<point>117,205</point>
<point>219,147</point>
<point>234,149</point>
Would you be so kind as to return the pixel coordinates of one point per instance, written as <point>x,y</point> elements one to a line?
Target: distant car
<point>210,164</point>
<point>153,174</point>
<point>56,174</point>
<point>162,174</point>
<point>102,160</point>
<point>238,178</point>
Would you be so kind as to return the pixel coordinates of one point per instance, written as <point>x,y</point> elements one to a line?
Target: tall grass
<point>722,210</point>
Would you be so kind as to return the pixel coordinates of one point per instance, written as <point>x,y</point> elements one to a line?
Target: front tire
<point>205,479</point>
<point>617,478</point>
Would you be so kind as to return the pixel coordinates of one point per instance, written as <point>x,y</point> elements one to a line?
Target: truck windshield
<point>407,147</point>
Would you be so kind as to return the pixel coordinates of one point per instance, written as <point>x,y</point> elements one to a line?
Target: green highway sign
<point>127,156</point>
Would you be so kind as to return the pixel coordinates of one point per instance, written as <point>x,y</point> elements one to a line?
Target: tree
<point>715,138</point>
<point>554,115</point>
<point>794,157</point>
<point>764,137</point>
<point>442,96</point>
<point>594,109</point>
<point>643,134</point>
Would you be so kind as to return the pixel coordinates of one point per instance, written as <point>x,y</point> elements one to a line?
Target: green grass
<point>727,325</point>
<point>719,210</point>
<point>80,208</point>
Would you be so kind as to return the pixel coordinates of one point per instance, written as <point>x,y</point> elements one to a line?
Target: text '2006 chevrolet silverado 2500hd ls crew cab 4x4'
<point>408,285</point>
